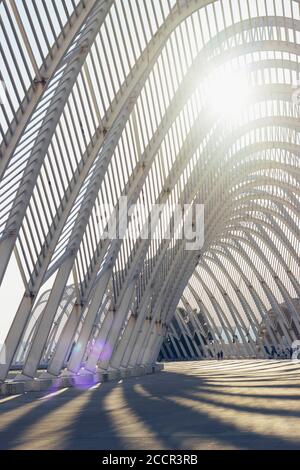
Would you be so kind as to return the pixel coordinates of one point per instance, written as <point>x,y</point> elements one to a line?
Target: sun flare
<point>227,92</point>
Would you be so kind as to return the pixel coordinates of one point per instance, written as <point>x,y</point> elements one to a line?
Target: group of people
<point>220,355</point>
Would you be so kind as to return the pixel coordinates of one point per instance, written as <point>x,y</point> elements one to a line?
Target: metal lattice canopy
<point>145,98</point>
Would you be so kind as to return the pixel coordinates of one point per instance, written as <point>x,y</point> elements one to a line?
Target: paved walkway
<point>192,405</point>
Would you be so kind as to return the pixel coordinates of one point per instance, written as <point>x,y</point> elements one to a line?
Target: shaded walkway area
<point>191,405</point>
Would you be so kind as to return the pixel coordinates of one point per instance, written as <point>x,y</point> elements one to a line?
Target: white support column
<point>184,334</point>
<point>199,330</point>
<point>45,321</point>
<point>278,282</point>
<point>155,350</point>
<point>210,320</point>
<point>136,333</point>
<point>172,339</point>
<point>15,333</point>
<point>120,350</point>
<point>148,350</point>
<point>43,140</point>
<point>142,334</point>
<point>149,337</point>
<point>118,323</point>
<point>234,313</point>
<point>77,355</point>
<point>148,340</point>
<point>101,346</point>
<point>169,351</point>
<point>222,320</point>
<point>65,341</point>
<point>38,90</point>
<point>256,298</point>
<point>268,292</point>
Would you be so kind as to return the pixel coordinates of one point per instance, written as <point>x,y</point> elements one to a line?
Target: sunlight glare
<point>227,92</point>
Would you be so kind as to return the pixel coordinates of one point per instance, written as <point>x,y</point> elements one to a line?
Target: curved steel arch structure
<point>110,98</point>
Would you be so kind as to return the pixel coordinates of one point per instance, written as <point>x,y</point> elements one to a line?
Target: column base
<point>45,382</point>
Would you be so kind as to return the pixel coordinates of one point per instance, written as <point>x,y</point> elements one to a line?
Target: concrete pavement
<point>191,405</point>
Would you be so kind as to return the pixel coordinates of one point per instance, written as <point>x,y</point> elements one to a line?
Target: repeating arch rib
<point>118,99</point>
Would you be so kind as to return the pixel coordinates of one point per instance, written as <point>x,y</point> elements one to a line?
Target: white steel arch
<point>114,98</point>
